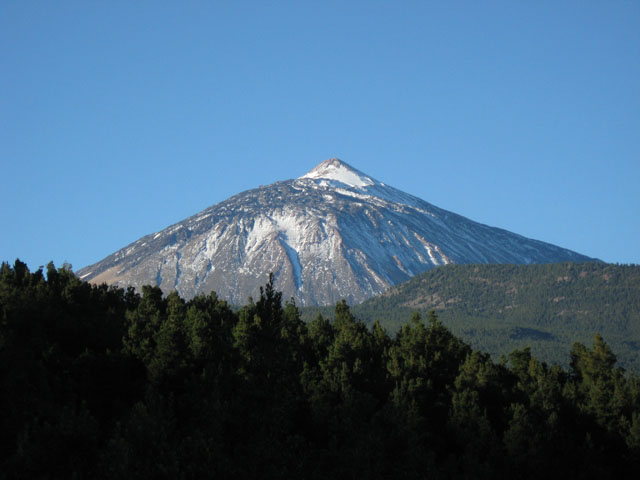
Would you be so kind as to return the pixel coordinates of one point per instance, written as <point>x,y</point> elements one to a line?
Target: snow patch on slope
<point>295,262</point>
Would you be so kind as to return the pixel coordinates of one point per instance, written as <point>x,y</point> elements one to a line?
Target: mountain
<point>497,308</point>
<point>333,233</point>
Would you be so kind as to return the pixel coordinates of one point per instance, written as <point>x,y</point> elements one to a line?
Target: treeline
<point>101,382</point>
<point>498,308</point>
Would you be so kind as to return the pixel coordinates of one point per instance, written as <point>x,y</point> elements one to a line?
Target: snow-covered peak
<point>336,169</point>
<point>346,180</point>
<point>333,233</point>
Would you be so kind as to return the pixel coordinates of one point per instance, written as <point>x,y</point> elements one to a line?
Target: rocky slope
<point>332,233</point>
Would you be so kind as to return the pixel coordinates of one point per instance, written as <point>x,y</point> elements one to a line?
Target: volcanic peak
<point>333,233</point>
<point>337,170</point>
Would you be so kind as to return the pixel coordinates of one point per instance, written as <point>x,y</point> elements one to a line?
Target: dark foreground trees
<point>100,382</point>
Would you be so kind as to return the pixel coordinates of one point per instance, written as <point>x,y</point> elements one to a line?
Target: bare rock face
<point>333,233</point>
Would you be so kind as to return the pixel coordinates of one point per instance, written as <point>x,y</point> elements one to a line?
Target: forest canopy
<point>498,308</point>
<point>103,382</point>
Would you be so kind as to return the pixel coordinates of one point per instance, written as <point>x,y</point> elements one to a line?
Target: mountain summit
<point>339,171</point>
<point>332,233</point>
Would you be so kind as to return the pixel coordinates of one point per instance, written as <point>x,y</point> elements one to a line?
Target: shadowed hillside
<point>497,308</point>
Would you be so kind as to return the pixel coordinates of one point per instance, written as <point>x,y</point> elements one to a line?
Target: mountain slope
<point>497,308</point>
<point>333,233</point>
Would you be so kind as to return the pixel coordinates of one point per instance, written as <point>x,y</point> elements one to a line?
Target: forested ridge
<point>498,308</point>
<point>101,382</point>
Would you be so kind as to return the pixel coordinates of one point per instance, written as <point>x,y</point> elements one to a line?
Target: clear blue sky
<point>118,119</point>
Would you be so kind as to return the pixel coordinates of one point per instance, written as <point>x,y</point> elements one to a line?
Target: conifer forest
<point>100,382</point>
